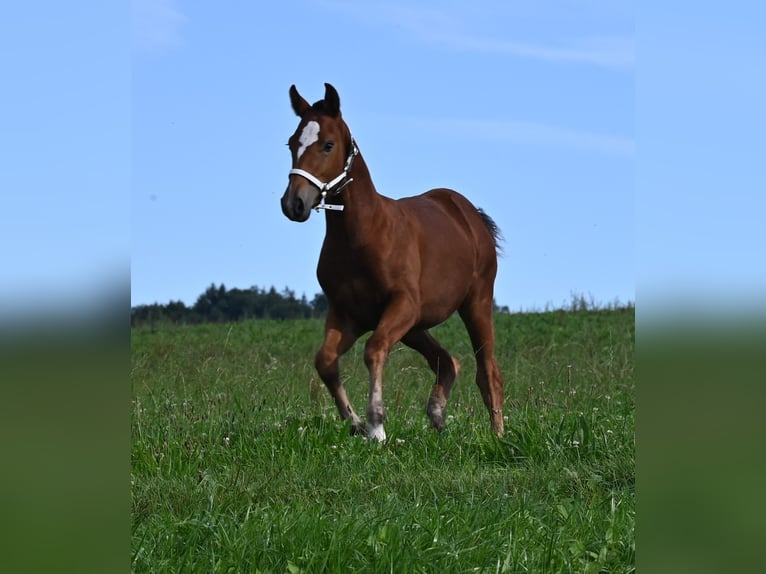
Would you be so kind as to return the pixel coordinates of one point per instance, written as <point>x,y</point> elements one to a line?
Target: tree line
<point>221,305</point>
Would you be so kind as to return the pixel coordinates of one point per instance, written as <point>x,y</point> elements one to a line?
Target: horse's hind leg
<point>444,365</point>
<point>477,316</point>
<point>338,339</point>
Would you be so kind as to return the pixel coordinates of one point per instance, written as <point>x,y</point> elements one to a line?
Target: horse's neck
<point>362,214</point>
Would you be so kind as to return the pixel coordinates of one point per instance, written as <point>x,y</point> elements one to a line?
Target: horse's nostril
<point>298,206</point>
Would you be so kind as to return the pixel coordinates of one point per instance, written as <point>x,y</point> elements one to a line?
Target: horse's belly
<point>439,307</point>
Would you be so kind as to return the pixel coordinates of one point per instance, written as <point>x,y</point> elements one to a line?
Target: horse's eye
<point>328,147</point>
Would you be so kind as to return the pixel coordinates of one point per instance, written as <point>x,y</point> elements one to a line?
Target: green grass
<point>240,463</point>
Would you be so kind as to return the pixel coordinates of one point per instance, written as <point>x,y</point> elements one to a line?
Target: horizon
<point>577,301</point>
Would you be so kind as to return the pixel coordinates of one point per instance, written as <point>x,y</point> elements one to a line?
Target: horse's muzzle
<point>296,205</point>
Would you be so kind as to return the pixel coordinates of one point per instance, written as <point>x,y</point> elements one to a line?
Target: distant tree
<point>240,304</point>
<point>499,309</point>
<point>217,304</point>
<point>206,301</point>
<point>319,305</point>
<point>176,312</point>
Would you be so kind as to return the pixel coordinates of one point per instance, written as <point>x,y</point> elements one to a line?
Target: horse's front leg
<point>338,338</point>
<point>397,320</point>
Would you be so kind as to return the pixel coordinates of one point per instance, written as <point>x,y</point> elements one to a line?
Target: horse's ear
<point>331,100</point>
<point>300,106</point>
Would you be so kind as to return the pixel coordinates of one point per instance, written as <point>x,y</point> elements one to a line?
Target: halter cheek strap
<point>342,181</point>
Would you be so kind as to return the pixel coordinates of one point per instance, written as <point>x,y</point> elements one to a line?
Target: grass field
<point>240,463</point>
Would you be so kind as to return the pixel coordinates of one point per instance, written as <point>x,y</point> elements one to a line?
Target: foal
<point>393,267</point>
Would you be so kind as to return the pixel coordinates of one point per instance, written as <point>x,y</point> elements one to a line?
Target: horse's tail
<point>494,230</point>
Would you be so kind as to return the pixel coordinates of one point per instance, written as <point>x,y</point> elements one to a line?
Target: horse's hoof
<point>358,430</point>
<point>377,433</point>
<point>435,412</point>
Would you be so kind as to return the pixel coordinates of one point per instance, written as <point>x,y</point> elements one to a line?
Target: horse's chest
<point>352,288</point>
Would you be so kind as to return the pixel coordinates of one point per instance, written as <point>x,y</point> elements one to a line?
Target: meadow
<point>239,462</point>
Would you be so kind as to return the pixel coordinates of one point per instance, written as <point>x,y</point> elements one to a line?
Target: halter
<point>324,187</point>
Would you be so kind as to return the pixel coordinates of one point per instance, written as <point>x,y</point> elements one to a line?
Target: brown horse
<point>393,267</point>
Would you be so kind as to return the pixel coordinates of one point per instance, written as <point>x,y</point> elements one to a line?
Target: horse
<point>393,267</point>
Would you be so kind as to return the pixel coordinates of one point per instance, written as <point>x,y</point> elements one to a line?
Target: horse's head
<point>321,148</point>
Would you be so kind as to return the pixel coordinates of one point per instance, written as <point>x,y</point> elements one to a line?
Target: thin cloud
<point>611,52</point>
<point>530,133</point>
<point>445,29</point>
<point>156,25</point>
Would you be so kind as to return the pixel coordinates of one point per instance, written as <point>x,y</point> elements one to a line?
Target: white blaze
<point>309,135</point>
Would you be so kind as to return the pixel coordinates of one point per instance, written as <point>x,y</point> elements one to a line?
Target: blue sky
<point>526,110</point>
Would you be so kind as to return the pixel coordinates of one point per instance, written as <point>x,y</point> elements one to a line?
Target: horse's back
<point>457,249</point>
<point>449,217</point>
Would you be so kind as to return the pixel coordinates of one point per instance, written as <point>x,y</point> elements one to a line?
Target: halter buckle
<point>329,206</point>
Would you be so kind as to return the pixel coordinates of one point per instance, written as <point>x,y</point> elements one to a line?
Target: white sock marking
<point>309,135</point>
<point>377,433</point>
